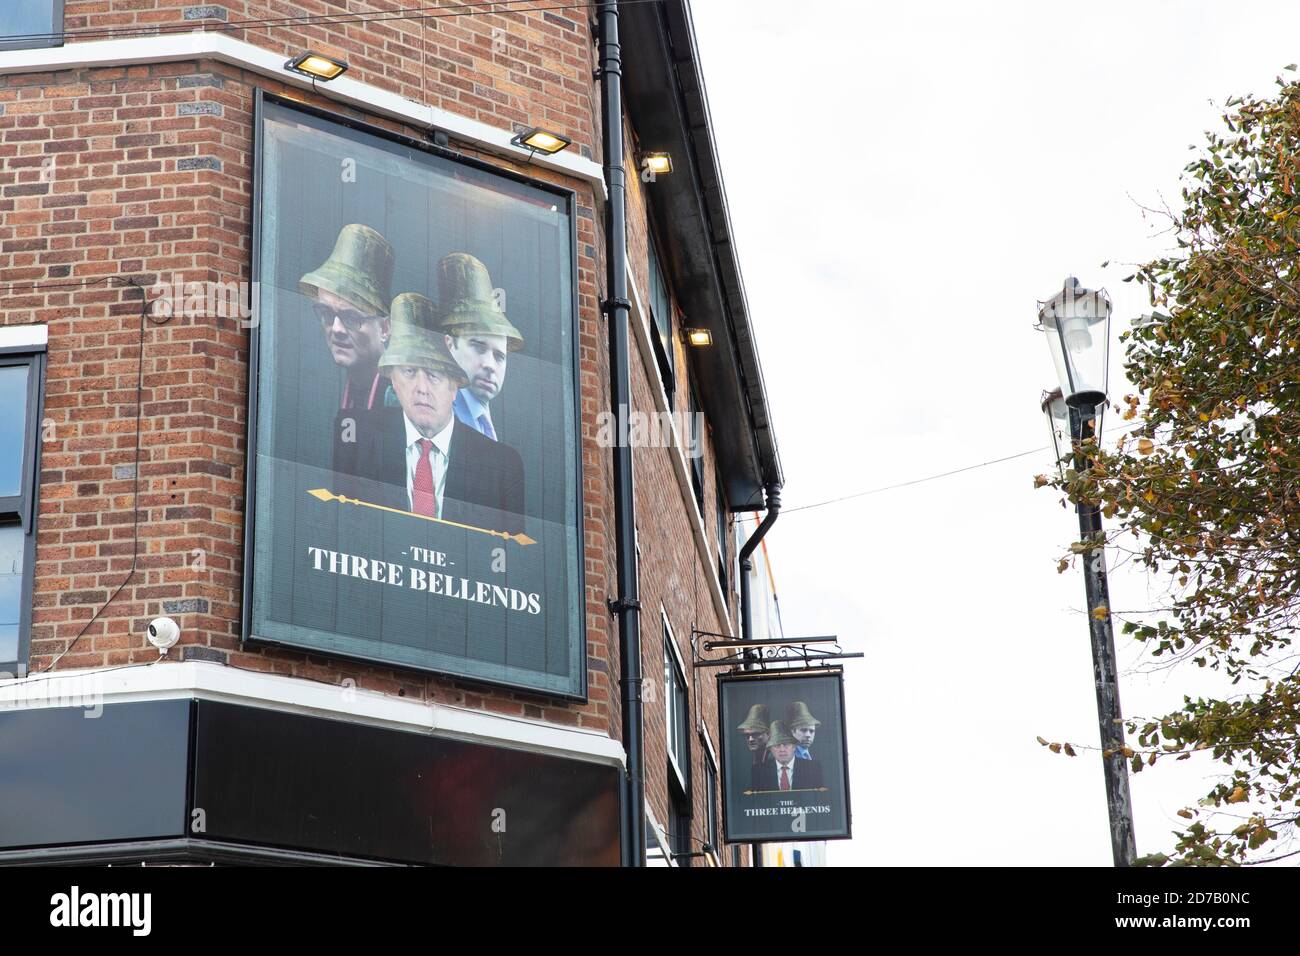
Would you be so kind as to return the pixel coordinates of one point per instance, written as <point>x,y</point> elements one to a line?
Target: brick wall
<point>143,172</point>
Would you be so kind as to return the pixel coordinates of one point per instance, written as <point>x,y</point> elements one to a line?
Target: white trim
<point>661,838</point>
<point>677,654</point>
<point>670,701</point>
<point>202,45</point>
<point>24,336</point>
<point>206,680</point>
<point>708,745</point>
<point>638,318</point>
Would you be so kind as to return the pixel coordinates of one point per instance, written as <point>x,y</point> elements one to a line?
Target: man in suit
<point>783,771</point>
<point>755,728</point>
<point>349,292</point>
<point>803,725</point>
<point>417,456</point>
<point>478,335</point>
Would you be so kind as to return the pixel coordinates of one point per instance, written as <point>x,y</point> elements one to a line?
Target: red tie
<point>785,778</point>
<point>423,499</point>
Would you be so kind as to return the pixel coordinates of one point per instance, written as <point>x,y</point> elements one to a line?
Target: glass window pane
<point>24,17</point>
<point>11,589</point>
<point>13,427</point>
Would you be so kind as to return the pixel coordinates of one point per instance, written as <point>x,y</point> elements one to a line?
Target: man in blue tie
<point>478,335</point>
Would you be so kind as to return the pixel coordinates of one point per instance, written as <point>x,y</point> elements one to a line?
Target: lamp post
<point>1076,322</point>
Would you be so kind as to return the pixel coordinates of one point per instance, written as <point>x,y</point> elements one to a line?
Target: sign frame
<point>776,676</point>
<point>578,636</point>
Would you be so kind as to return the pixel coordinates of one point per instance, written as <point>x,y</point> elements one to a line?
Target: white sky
<point>905,180</point>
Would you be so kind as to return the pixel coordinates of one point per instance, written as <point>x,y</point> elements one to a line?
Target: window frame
<point>57,31</point>
<point>675,668</point>
<point>696,439</point>
<point>659,288</point>
<point>22,509</point>
<point>722,523</point>
<point>712,823</point>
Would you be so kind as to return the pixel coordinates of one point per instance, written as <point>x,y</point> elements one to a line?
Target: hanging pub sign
<point>413,470</point>
<point>784,761</point>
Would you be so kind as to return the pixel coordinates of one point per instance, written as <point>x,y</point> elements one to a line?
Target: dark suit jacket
<point>485,479</point>
<point>806,775</point>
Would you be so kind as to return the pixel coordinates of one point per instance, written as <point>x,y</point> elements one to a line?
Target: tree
<point>1207,486</point>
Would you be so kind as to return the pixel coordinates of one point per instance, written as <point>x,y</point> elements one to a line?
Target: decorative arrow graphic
<point>324,494</point>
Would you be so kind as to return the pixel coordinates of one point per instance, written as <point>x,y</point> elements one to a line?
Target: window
<point>676,715</point>
<point>677,719</point>
<point>721,505</point>
<point>711,800</point>
<point>21,377</point>
<point>31,23</point>
<point>697,450</point>
<point>679,828</point>
<point>661,311</point>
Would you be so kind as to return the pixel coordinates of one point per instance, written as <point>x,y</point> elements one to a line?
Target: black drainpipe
<point>626,606</point>
<point>773,493</point>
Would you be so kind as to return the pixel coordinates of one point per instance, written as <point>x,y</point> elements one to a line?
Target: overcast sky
<point>905,180</point>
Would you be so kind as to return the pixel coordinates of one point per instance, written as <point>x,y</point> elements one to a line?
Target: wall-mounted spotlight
<point>541,140</point>
<point>316,65</point>
<point>698,337</point>
<point>656,164</point>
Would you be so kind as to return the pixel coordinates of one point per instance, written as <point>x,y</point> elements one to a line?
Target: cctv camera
<point>163,633</point>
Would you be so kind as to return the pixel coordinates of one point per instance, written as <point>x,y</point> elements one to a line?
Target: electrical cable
<point>135,502</point>
<point>918,481</point>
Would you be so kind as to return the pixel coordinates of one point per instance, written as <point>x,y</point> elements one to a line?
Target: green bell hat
<point>798,715</point>
<point>415,340</point>
<point>757,720</point>
<point>466,302</point>
<point>780,734</point>
<point>360,269</point>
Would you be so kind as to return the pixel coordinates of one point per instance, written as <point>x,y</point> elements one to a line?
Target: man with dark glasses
<point>350,292</point>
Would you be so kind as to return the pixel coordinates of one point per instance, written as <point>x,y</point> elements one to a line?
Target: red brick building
<point>129,164</point>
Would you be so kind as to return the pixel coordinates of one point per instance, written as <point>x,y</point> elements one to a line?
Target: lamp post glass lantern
<point>1077,326</point>
<point>1058,423</point>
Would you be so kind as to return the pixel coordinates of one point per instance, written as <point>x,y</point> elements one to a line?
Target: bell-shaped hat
<point>757,720</point>
<point>779,734</point>
<point>360,270</point>
<point>798,715</point>
<point>415,340</point>
<point>466,304</point>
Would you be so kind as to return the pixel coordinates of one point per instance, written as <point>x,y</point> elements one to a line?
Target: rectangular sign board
<point>413,487</point>
<point>784,760</point>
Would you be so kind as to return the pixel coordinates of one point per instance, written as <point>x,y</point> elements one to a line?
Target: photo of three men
<point>414,427</point>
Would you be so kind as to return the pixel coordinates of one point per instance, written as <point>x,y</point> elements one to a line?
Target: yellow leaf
<point>1100,612</point>
<point>1146,446</point>
<point>1127,752</point>
<point>1237,796</point>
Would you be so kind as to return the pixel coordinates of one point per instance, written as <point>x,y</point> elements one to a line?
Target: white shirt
<point>438,460</point>
<point>789,766</point>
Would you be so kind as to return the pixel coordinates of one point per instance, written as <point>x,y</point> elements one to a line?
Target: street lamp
<point>1076,322</point>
